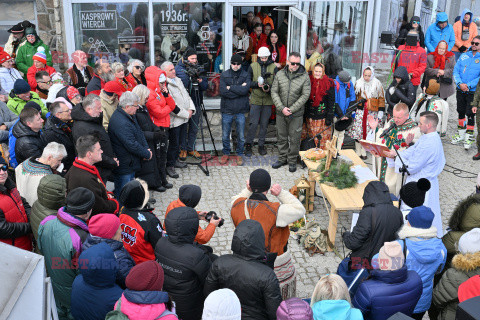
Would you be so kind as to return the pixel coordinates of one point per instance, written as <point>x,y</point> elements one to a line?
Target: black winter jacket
<point>84,124</point>
<point>128,142</point>
<point>245,272</point>
<point>377,223</point>
<point>404,91</point>
<point>185,264</point>
<point>402,36</point>
<point>181,71</point>
<point>58,131</point>
<point>149,171</point>
<point>234,100</point>
<point>29,143</point>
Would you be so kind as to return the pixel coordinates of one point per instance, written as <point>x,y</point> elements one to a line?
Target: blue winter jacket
<point>11,146</point>
<point>427,257</point>
<point>335,309</point>
<point>388,292</point>
<point>435,34</point>
<point>467,70</point>
<point>124,260</point>
<point>94,291</point>
<point>344,95</point>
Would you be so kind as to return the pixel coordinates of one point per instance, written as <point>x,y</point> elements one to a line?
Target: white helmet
<point>263,52</point>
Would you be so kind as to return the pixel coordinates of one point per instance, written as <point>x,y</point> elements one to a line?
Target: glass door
<point>297,32</point>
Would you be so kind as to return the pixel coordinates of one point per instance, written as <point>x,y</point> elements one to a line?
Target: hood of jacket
<point>441,16</point>
<point>106,99</point>
<point>464,12</point>
<point>145,297</point>
<point>190,195</point>
<point>249,240</point>
<point>181,225</point>
<point>466,262</point>
<point>402,73</point>
<point>51,191</point>
<point>79,114</point>
<point>423,244</point>
<point>22,130</point>
<point>152,74</point>
<point>387,276</point>
<point>376,192</point>
<point>98,266</point>
<point>335,309</point>
<point>466,208</point>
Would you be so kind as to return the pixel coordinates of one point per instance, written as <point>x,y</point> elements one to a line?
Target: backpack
<point>119,315</point>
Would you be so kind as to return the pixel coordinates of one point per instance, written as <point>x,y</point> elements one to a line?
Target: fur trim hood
<point>458,214</point>
<point>408,232</point>
<point>466,262</point>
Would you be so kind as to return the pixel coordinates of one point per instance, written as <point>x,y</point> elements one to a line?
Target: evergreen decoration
<point>339,176</point>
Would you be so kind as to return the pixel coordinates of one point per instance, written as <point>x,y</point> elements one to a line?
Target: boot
<point>459,137</point>
<point>248,150</point>
<point>469,140</point>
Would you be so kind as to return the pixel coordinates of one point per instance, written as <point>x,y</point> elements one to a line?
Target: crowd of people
<point>109,256</point>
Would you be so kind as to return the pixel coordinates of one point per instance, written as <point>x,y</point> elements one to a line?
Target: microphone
<point>353,107</point>
<point>384,133</point>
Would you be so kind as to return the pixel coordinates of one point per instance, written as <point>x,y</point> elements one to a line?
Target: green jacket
<point>291,90</point>
<point>445,294</point>
<point>16,104</point>
<point>51,197</point>
<point>465,217</point>
<point>60,240</point>
<point>25,54</point>
<point>258,96</point>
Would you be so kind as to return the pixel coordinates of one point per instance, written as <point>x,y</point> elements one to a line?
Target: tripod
<point>403,170</point>
<point>196,92</point>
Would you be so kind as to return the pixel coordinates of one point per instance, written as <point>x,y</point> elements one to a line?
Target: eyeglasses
<point>235,64</point>
<point>68,110</point>
<point>475,43</point>
<point>295,63</point>
<point>3,167</point>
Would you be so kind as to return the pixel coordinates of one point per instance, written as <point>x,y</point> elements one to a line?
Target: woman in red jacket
<point>14,211</point>
<point>159,104</point>
<point>122,83</point>
<point>278,50</point>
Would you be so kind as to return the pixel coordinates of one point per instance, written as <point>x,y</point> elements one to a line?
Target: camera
<point>194,71</point>
<point>213,214</point>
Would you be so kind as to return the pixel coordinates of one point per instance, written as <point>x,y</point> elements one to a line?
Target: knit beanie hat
<point>222,304</point>
<point>391,256</point>
<point>31,30</point>
<point>260,181</point>
<point>146,276</point>
<point>104,225</point>
<point>33,104</point>
<point>413,193</point>
<point>40,55</point>
<point>263,52</point>
<point>133,194</point>
<point>72,92</point>
<point>56,77</point>
<point>21,86</point>
<point>344,76</point>
<point>79,201</point>
<point>420,217</point>
<point>294,309</point>
<point>433,87</point>
<point>4,56</point>
<point>470,241</point>
<point>63,100</point>
<point>236,58</point>
<point>112,87</point>
<point>189,52</point>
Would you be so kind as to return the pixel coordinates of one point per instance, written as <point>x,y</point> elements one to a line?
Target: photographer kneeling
<point>189,195</point>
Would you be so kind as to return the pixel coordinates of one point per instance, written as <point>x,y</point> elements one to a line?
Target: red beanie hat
<point>4,56</point>
<point>112,87</point>
<point>104,225</point>
<point>72,92</point>
<point>146,276</point>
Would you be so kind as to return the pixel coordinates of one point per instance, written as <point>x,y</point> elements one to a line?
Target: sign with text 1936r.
<point>98,20</point>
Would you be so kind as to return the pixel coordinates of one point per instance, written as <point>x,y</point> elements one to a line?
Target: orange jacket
<point>457,29</point>
<point>203,236</point>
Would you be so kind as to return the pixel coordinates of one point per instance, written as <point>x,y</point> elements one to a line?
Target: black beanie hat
<point>34,105</point>
<point>189,52</point>
<point>413,193</point>
<point>260,181</point>
<point>79,201</point>
<point>236,58</point>
<point>132,195</point>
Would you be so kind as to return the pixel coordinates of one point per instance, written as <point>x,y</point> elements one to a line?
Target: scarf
<point>320,88</point>
<point>92,169</point>
<point>440,60</point>
<point>370,89</point>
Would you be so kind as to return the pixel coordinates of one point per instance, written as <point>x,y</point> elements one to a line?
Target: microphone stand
<point>403,169</point>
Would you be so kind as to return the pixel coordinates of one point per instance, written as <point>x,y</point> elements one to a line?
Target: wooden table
<point>350,199</point>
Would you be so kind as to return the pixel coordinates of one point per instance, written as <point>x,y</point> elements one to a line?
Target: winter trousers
<point>289,132</point>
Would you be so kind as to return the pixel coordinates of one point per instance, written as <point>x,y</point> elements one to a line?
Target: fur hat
<point>433,87</point>
<point>391,256</point>
<point>470,241</point>
<point>222,304</point>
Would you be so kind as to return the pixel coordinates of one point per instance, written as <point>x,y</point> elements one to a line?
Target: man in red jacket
<point>414,58</point>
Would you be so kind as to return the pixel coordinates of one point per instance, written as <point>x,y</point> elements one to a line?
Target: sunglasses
<point>475,43</point>
<point>46,82</point>
<point>235,64</point>
<point>3,167</point>
<point>417,22</point>
<point>295,63</point>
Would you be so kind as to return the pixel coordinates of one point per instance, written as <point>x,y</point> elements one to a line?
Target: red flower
<point>396,146</point>
<point>403,144</point>
<point>400,137</point>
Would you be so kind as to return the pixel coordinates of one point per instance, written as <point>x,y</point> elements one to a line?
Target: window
<point>13,12</point>
<point>117,31</point>
<point>198,25</point>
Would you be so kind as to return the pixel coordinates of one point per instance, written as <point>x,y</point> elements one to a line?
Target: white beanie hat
<point>222,304</point>
<point>263,52</point>
<point>470,241</point>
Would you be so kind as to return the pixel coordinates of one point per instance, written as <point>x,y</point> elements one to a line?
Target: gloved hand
<point>462,49</point>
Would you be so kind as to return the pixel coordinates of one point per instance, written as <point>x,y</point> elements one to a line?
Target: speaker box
<point>386,37</point>
<point>469,309</point>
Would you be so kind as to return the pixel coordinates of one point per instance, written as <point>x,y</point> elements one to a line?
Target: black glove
<point>462,49</point>
<point>157,136</point>
<point>165,94</point>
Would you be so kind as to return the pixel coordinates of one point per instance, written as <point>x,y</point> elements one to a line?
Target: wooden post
<point>331,148</point>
